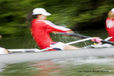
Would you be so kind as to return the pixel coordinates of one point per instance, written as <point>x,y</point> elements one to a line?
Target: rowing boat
<point>35,56</point>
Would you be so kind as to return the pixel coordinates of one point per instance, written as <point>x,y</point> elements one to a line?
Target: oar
<point>83,36</point>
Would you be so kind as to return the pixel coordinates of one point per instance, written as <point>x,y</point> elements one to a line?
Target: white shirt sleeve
<point>55,26</point>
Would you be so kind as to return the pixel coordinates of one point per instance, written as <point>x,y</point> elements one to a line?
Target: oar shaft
<point>78,41</point>
<point>83,37</point>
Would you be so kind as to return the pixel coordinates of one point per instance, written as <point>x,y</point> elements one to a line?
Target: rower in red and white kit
<point>110,24</point>
<point>41,29</point>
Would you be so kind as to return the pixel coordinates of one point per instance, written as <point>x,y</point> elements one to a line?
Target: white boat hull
<point>29,57</point>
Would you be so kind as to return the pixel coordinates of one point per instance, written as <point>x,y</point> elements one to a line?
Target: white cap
<point>112,10</point>
<point>40,11</point>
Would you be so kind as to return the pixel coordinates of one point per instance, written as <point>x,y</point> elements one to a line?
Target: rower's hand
<point>96,39</point>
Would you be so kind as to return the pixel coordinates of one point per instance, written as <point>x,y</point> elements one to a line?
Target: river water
<point>89,66</point>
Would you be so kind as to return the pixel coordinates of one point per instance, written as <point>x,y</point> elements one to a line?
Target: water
<point>92,66</point>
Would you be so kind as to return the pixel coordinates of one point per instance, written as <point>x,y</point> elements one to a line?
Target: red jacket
<point>41,30</point>
<point>110,28</point>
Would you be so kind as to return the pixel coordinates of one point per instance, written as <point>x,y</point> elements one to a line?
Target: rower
<point>41,29</point>
<point>110,24</point>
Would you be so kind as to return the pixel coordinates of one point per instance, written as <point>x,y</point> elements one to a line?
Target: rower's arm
<point>54,28</point>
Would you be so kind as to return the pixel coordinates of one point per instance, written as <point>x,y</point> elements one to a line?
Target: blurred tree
<point>72,13</point>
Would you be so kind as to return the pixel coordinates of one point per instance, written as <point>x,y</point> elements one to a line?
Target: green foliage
<point>73,13</point>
